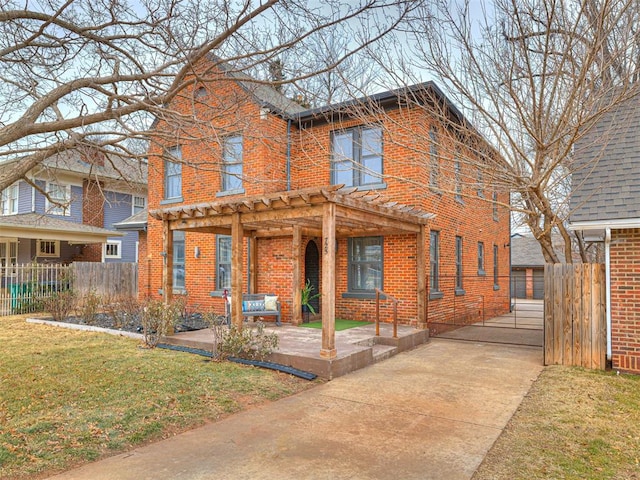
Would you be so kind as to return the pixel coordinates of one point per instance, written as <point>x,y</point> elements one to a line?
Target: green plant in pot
<point>307,296</point>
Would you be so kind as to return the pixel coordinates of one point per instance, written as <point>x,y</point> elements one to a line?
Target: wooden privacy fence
<point>575,315</point>
<point>26,288</point>
<point>105,279</point>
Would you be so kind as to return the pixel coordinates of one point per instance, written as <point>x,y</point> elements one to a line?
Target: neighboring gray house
<point>66,210</point>
<point>605,207</point>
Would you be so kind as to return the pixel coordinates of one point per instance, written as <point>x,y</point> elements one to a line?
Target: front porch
<point>298,347</point>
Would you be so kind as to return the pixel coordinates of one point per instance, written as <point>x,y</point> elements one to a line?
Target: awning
<point>43,227</point>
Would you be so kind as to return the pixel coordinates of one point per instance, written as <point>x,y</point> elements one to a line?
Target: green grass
<point>69,397</point>
<point>340,324</point>
<point>573,424</point>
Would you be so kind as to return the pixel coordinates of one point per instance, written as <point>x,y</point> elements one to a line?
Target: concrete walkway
<point>432,412</point>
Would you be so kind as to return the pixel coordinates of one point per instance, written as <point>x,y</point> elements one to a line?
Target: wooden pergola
<point>328,213</point>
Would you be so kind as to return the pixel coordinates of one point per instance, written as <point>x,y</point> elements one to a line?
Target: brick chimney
<point>92,214</point>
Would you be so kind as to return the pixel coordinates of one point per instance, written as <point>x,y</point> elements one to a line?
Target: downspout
<point>607,269</point>
<point>288,154</point>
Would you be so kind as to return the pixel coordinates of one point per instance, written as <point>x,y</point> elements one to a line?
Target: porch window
<point>113,249</point>
<point>178,260</point>
<point>58,199</point>
<point>481,258</point>
<point>434,158</point>
<point>434,264</point>
<point>356,157</point>
<point>9,200</point>
<point>223,262</point>
<point>365,264</point>
<point>232,164</point>
<point>48,248</point>
<point>173,173</point>
<point>459,288</point>
<point>138,204</point>
<point>8,258</point>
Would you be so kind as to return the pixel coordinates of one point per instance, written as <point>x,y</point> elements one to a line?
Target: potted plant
<point>307,296</point>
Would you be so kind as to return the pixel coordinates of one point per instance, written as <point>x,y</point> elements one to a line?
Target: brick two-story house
<point>66,209</point>
<point>249,199</point>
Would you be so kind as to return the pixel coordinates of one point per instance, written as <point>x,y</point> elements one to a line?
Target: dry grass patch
<point>573,424</point>
<point>69,397</point>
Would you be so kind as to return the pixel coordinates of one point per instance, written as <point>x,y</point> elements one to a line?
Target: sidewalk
<point>432,412</point>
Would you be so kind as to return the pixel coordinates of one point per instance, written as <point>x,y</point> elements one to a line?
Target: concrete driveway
<point>432,412</point>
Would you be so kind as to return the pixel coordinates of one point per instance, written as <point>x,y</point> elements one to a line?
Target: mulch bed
<point>191,323</point>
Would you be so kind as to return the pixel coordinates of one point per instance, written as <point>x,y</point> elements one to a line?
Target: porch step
<point>382,352</point>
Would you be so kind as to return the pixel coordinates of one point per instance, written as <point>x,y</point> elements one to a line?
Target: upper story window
<point>223,262</point>
<point>356,157</point>
<point>173,173</point>
<point>457,165</point>
<point>480,177</point>
<point>232,164</point>
<point>365,264</point>
<point>495,205</point>
<point>58,199</point>
<point>434,158</point>
<point>434,262</point>
<point>9,200</point>
<point>138,204</point>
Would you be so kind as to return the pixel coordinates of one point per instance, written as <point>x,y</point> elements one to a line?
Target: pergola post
<point>253,265</point>
<point>328,349</point>
<point>167,263</point>
<point>236,270</point>
<point>297,274</point>
<point>421,271</point>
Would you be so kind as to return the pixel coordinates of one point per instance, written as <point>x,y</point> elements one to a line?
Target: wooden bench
<point>253,306</point>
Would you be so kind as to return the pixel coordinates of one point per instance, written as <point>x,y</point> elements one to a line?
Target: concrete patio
<point>299,347</point>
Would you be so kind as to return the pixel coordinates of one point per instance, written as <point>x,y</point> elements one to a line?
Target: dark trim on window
<point>434,262</point>
<point>167,201</point>
<point>460,292</point>
<point>368,263</point>
<point>436,295</point>
<point>356,159</point>
<point>226,193</point>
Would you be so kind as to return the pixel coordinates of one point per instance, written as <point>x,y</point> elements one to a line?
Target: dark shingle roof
<point>606,180</point>
<point>527,252</point>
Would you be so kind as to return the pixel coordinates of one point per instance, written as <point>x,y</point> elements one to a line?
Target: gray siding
<point>117,208</point>
<point>606,182</point>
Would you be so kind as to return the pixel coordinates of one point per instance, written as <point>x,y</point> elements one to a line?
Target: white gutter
<point>607,269</point>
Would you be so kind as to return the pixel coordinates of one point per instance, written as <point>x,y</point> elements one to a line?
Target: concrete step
<point>382,352</point>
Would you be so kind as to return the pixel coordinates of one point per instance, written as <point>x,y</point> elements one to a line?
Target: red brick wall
<point>406,154</point>
<point>625,300</point>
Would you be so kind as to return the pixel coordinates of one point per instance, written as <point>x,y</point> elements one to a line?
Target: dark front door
<point>312,271</point>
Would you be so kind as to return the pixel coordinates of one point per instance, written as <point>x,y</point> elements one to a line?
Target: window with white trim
<point>8,258</point>
<point>138,204</point>
<point>58,199</point>
<point>113,249</point>
<point>9,200</point>
<point>48,248</point>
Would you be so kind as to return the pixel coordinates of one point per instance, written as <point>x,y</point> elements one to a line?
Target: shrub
<point>60,304</point>
<point>157,318</point>
<point>251,343</point>
<point>219,326</point>
<point>89,307</point>
<point>122,309</point>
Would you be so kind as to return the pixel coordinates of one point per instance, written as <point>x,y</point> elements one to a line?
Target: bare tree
<point>533,76</point>
<point>87,72</point>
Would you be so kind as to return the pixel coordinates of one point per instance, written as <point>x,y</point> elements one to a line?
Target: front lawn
<point>573,424</point>
<point>69,397</point>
